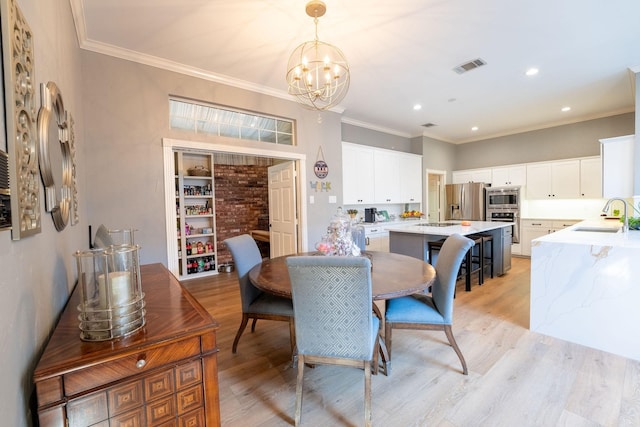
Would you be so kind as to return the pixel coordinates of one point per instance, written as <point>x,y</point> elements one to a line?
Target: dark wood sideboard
<point>166,374</point>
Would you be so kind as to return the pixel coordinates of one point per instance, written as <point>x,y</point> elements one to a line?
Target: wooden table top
<point>171,312</point>
<point>393,275</point>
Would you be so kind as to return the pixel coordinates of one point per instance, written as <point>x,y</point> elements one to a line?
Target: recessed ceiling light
<point>475,128</point>
<point>417,107</point>
<point>565,109</point>
<point>532,72</point>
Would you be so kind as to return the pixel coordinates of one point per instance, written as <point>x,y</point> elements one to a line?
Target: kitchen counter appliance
<point>465,201</point>
<point>370,214</point>
<point>503,204</point>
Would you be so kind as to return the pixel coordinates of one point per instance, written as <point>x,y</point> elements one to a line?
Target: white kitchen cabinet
<point>411,178</point>
<point>471,175</point>
<point>509,175</point>
<point>553,180</point>
<point>357,174</point>
<point>374,175</point>
<point>376,239</point>
<point>387,177</point>
<point>561,224</point>
<point>532,229</point>
<point>591,178</point>
<point>617,166</point>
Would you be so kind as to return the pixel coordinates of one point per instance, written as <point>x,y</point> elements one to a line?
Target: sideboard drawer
<point>134,418</point>
<point>123,398</point>
<point>88,410</point>
<point>104,373</point>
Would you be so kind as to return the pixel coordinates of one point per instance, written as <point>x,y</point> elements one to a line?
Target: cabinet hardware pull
<point>140,363</point>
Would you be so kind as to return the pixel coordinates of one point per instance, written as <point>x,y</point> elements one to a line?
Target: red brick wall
<point>241,194</point>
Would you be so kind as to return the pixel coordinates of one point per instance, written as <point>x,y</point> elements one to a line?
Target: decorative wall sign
<point>20,98</point>
<point>320,186</point>
<point>56,166</point>
<point>320,168</point>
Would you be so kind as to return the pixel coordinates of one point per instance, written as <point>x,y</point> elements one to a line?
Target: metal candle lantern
<point>112,301</point>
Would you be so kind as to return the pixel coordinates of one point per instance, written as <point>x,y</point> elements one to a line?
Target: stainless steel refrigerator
<point>465,201</point>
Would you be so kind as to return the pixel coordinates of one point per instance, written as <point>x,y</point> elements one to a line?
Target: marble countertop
<point>570,235</point>
<point>415,227</point>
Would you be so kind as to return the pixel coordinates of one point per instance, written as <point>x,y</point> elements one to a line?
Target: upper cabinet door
<point>509,175</point>
<point>591,178</point>
<point>471,175</point>
<point>565,179</point>
<point>411,178</point>
<point>357,174</point>
<point>617,166</point>
<point>387,177</point>
<point>553,180</point>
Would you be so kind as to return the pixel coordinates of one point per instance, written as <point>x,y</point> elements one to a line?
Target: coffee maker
<point>370,214</point>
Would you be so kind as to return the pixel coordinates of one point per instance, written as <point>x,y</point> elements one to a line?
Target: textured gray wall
<point>39,271</point>
<point>560,142</point>
<point>127,117</point>
<point>358,135</point>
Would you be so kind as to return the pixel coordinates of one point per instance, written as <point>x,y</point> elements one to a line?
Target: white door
<point>282,210</point>
<point>434,197</point>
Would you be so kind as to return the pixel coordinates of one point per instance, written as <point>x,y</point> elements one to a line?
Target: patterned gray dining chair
<point>256,304</point>
<point>435,311</point>
<point>332,303</point>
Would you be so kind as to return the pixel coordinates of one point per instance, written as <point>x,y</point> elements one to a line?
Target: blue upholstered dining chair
<point>435,311</point>
<point>332,303</point>
<point>256,304</point>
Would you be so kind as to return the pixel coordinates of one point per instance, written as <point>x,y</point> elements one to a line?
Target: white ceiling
<point>400,52</point>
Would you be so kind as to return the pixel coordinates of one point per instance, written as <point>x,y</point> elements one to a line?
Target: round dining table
<point>392,275</point>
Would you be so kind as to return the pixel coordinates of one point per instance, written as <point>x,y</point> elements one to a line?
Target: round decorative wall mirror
<point>56,166</point>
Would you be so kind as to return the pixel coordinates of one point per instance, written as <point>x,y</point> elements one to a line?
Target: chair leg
<point>253,325</point>
<point>299,389</point>
<point>367,396</point>
<point>387,341</point>
<point>385,355</point>
<point>452,341</point>
<point>292,335</point>
<point>243,325</point>
<point>467,276</point>
<point>376,355</point>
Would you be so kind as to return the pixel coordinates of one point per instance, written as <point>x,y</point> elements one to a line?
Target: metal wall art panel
<point>56,162</point>
<point>20,110</point>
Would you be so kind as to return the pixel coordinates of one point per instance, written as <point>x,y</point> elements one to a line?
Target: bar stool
<point>467,263</point>
<point>484,257</point>
<point>487,258</point>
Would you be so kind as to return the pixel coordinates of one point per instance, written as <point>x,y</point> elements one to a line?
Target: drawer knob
<point>140,363</point>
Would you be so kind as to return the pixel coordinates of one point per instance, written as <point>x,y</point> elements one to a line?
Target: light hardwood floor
<point>516,377</point>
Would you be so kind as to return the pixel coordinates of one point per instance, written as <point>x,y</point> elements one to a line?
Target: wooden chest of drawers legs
<point>165,375</point>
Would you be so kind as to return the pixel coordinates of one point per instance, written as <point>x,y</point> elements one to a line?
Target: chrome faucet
<point>625,226</point>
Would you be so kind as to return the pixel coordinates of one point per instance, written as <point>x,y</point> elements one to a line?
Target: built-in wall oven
<point>503,204</point>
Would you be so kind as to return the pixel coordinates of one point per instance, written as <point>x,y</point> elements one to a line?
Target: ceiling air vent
<point>428,125</point>
<point>468,66</point>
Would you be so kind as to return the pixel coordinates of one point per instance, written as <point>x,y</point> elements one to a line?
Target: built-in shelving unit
<point>195,214</point>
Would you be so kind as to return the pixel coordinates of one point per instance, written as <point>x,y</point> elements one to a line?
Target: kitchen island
<point>412,238</point>
<point>584,286</point>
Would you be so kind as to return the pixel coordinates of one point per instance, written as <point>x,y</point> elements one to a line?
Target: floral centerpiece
<point>338,240</point>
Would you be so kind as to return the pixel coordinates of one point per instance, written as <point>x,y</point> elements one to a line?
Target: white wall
<point>37,272</point>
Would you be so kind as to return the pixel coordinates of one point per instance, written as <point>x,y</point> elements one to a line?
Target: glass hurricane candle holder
<point>112,301</point>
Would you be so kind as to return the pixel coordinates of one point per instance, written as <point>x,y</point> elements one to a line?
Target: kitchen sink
<point>438,224</point>
<point>595,229</point>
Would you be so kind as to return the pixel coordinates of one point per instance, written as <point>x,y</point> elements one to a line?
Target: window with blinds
<point>215,120</point>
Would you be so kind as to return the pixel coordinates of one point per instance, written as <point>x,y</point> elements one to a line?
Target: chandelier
<point>318,72</point>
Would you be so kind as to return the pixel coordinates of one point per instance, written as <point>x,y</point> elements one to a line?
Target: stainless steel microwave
<point>502,198</point>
